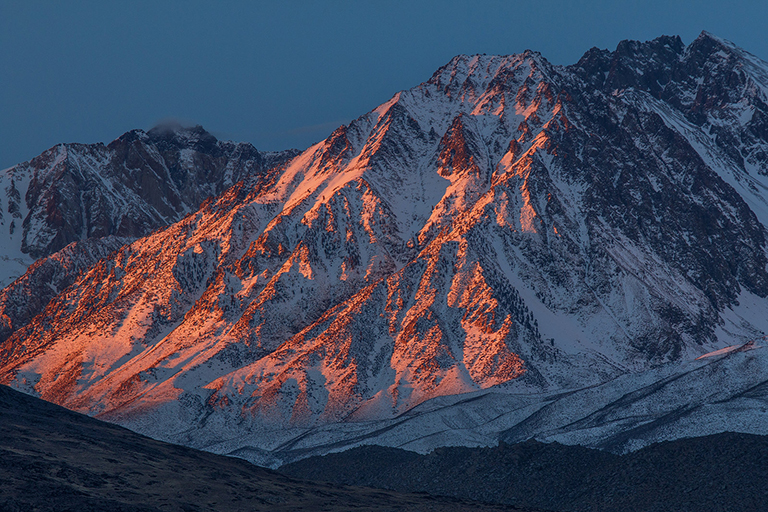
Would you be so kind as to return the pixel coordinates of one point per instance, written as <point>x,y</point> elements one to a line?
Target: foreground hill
<point>725,472</point>
<point>54,460</point>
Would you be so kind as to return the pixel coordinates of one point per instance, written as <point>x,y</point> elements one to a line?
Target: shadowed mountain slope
<point>721,472</point>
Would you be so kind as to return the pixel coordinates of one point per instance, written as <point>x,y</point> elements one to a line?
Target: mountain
<point>81,202</point>
<point>54,460</point>
<point>139,182</point>
<point>723,472</point>
<point>508,233</point>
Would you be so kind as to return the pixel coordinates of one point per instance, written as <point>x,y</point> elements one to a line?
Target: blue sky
<point>285,74</point>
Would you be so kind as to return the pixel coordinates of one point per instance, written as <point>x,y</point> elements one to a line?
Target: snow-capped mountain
<point>136,184</point>
<point>507,225</point>
<point>77,203</point>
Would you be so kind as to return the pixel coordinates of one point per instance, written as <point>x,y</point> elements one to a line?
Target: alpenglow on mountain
<point>508,228</point>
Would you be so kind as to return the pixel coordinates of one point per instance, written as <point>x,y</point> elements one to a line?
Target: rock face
<point>136,184</point>
<point>508,224</point>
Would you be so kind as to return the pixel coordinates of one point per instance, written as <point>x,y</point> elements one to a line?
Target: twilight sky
<point>286,73</point>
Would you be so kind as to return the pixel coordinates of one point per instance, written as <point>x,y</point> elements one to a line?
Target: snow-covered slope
<point>721,392</point>
<point>507,225</point>
<point>28,295</point>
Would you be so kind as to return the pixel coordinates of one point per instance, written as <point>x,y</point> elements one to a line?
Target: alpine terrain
<point>138,183</point>
<point>509,250</point>
<point>77,203</point>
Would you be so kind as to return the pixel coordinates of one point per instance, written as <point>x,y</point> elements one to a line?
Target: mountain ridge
<point>135,184</point>
<point>507,224</point>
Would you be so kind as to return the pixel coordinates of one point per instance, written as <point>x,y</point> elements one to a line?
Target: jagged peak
<point>663,50</point>
<point>492,63</point>
<point>171,133</point>
<point>708,47</point>
<point>705,36</point>
<point>49,157</point>
<point>482,68</point>
<point>630,46</point>
<point>707,44</point>
<point>645,65</point>
<point>672,45</point>
<point>132,135</point>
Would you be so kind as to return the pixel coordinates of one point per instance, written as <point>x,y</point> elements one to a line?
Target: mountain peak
<point>169,131</point>
<point>645,65</point>
<point>631,47</point>
<point>709,36</point>
<point>475,73</point>
<point>708,45</point>
<point>480,62</point>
